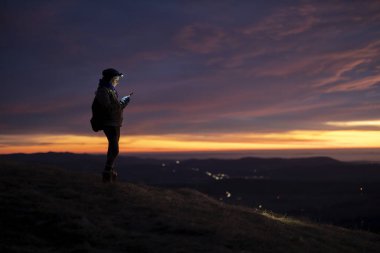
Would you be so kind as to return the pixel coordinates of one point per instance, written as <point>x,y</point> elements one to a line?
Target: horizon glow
<point>192,143</point>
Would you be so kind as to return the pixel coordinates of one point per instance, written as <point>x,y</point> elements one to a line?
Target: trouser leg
<point>113,136</point>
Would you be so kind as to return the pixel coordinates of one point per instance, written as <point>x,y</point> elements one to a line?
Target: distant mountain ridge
<point>158,171</point>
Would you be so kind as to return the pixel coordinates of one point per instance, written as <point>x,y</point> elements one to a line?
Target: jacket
<point>109,111</point>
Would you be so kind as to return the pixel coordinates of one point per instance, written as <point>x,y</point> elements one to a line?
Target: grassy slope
<point>50,210</point>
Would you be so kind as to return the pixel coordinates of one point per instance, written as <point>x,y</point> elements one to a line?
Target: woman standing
<point>108,115</point>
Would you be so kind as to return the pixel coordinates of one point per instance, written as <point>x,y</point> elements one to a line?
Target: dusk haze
<point>186,126</point>
<point>206,75</point>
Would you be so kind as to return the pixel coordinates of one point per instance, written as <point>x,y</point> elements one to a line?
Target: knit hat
<point>110,73</point>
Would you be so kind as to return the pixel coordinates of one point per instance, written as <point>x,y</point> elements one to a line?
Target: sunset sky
<point>206,75</point>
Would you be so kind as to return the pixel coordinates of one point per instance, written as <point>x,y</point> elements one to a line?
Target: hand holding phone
<point>125,100</point>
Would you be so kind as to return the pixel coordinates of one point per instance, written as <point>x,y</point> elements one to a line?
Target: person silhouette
<point>110,119</point>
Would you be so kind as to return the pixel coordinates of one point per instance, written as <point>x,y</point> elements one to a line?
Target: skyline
<point>210,75</point>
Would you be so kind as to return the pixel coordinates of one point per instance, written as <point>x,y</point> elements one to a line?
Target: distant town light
<point>219,176</point>
<point>228,194</point>
<point>177,162</point>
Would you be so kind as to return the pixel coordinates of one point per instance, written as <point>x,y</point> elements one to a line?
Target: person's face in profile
<point>115,81</point>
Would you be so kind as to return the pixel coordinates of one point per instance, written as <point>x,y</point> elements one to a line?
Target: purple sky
<point>196,67</point>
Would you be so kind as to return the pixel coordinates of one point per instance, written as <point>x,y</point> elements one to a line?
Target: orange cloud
<point>297,139</point>
<point>375,123</point>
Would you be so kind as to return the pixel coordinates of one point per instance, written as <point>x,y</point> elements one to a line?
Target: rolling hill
<point>48,209</point>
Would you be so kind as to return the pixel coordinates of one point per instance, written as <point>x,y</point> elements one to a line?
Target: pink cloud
<point>315,24</point>
<point>340,70</point>
<point>338,64</point>
<point>200,38</point>
<point>54,105</point>
<point>323,69</point>
<point>147,56</point>
<point>361,84</point>
<point>282,108</point>
<point>284,22</point>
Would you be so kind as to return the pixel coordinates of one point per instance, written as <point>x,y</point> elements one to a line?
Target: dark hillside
<point>321,189</point>
<point>44,209</point>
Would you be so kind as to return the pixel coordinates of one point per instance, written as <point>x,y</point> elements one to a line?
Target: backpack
<point>96,119</point>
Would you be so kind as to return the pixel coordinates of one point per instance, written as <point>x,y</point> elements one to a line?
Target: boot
<point>113,175</point>
<point>107,176</point>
